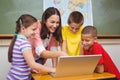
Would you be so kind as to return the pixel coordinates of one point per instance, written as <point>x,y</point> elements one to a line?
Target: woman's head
<point>26,24</point>
<point>51,23</point>
<point>75,20</point>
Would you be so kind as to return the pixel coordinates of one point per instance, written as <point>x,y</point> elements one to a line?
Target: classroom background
<point>106,17</point>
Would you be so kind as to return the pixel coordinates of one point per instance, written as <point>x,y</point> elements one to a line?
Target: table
<point>46,76</point>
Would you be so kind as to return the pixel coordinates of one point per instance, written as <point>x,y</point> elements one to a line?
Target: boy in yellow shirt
<point>72,34</point>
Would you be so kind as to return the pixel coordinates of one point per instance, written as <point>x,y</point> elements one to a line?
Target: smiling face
<point>88,41</point>
<point>75,21</point>
<point>74,27</point>
<point>29,31</point>
<point>52,23</point>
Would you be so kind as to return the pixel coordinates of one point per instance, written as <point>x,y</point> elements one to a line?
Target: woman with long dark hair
<point>48,38</point>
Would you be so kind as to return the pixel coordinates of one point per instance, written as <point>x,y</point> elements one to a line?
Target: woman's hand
<point>53,70</point>
<point>62,53</point>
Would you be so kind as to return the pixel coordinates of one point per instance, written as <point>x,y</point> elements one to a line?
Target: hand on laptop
<point>53,70</point>
<point>35,71</point>
<point>63,53</point>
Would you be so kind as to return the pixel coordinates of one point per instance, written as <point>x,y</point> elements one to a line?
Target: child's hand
<point>35,71</point>
<point>53,70</point>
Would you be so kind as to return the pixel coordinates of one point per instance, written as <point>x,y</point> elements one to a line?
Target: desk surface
<point>46,76</point>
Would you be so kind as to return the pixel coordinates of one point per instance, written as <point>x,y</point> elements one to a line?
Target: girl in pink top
<point>48,37</point>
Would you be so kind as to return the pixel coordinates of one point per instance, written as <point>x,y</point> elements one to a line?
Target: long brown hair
<point>24,20</point>
<point>44,31</point>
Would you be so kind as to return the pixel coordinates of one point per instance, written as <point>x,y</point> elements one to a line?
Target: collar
<point>21,36</point>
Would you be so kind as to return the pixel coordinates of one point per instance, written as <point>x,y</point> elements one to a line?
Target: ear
<point>22,28</point>
<point>95,39</point>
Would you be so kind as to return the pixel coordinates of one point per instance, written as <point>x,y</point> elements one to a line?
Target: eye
<point>52,22</point>
<point>57,22</point>
<point>77,28</point>
<point>87,40</point>
<point>72,27</point>
<point>34,29</point>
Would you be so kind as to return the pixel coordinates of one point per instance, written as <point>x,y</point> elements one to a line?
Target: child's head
<point>26,25</point>
<point>51,23</point>
<point>89,36</point>
<point>75,21</point>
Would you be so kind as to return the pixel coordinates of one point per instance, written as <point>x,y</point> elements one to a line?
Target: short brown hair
<point>76,17</point>
<point>90,30</point>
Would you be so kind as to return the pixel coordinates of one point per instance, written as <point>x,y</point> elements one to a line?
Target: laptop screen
<point>76,65</point>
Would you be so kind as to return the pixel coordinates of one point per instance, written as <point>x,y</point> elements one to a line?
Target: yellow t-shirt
<point>73,41</point>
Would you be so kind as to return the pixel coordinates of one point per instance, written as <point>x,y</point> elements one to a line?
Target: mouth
<point>52,29</point>
<point>73,32</point>
<point>86,47</point>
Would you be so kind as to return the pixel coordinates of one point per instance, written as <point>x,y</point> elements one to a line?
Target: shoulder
<point>23,41</point>
<point>24,45</point>
<point>97,46</point>
<point>82,27</point>
<point>65,27</point>
<point>80,30</point>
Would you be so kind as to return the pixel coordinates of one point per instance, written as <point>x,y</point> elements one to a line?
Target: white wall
<point>4,65</point>
<point>112,49</point>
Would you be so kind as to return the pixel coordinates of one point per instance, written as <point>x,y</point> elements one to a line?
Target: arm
<point>99,68</point>
<point>97,49</point>
<point>52,54</point>
<point>35,66</point>
<point>63,47</point>
<point>64,43</point>
<point>54,62</point>
<point>81,50</point>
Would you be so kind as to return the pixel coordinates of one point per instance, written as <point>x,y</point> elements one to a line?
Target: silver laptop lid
<point>76,65</point>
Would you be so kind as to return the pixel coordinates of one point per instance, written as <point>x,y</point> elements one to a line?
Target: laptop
<point>76,65</point>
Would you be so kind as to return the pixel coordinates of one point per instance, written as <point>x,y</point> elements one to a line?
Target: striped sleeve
<point>25,45</point>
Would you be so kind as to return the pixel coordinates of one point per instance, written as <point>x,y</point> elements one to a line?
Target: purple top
<point>19,69</point>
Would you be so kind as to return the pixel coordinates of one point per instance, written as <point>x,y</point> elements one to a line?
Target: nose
<point>35,32</point>
<point>55,25</point>
<point>74,30</point>
<point>83,42</point>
